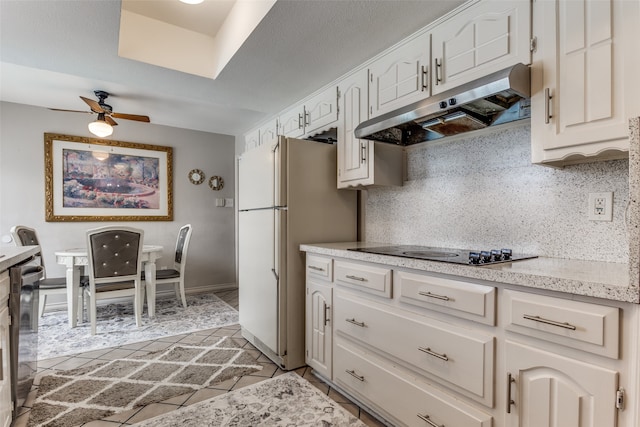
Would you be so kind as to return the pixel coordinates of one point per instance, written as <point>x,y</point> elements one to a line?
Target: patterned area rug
<point>286,400</point>
<point>117,326</point>
<point>69,398</point>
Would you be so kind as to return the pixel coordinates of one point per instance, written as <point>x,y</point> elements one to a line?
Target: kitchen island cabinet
<point>427,347</point>
<point>9,257</point>
<point>584,79</point>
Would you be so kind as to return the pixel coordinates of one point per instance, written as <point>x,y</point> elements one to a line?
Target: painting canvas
<point>103,180</point>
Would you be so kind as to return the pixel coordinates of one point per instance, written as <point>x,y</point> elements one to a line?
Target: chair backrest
<point>182,246</point>
<point>115,254</point>
<point>26,236</point>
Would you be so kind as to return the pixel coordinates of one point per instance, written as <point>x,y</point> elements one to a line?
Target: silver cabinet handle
<point>363,152</point>
<point>427,419</point>
<point>307,118</point>
<point>355,322</point>
<point>359,279</point>
<point>326,313</point>
<point>2,356</point>
<point>299,121</point>
<point>433,353</point>
<point>424,76</point>
<point>436,296</point>
<point>438,71</point>
<point>564,325</point>
<point>313,267</point>
<point>547,99</point>
<point>354,375</point>
<point>510,401</point>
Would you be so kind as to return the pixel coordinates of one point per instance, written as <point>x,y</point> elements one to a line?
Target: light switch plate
<point>600,206</point>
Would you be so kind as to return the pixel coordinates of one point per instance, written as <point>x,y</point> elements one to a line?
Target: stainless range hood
<point>495,99</point>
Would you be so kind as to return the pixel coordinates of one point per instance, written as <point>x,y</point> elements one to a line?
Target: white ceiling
<point>52,51</point>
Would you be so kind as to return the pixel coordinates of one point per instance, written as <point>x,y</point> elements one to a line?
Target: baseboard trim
<point>166,290</point>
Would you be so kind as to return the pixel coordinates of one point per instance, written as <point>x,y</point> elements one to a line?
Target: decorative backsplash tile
<point>483,192</point>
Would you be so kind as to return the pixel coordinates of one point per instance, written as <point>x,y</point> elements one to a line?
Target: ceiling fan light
<point>100,128</point>
<point>192,1</point>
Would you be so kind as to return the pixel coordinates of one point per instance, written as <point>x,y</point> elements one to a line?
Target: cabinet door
<point>487,37</point>
<point>6,405</point>
<point>292,122</point>
<point>321,111</point>
<point>318,327</point>
<point>550,390</point>
<point>251,140</point>
<point>584,78</point>
<point>353,153</point>
<point>400,77</point>
<point>269,132</point>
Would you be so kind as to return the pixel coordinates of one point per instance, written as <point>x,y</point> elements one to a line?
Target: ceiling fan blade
<point>110,121</point>
<point>71,111</point>
<point>95,107</point>
<point>131,117</point>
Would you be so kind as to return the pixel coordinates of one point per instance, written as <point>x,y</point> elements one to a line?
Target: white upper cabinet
<point>488,36</point>
<point>584,79</point>
<point>400,77</point>
<point>353,153</point>
<point>316,115</point>
<point>265,134</point>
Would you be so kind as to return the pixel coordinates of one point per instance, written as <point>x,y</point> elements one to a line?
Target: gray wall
<point>211,254</point>
<point>483,193</point>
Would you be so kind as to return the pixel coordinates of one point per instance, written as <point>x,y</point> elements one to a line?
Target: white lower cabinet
<point>549,390</point>
<point>318,327</point>
<point>6,405</point>
<point>434,350</point>
<point>406,401</point>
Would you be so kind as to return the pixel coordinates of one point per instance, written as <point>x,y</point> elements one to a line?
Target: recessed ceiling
<point>53,51</point>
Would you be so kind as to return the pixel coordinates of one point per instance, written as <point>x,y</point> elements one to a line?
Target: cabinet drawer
<point>461,299</point>
<point>366,278</point>
<point>320,267</point>
<point>439,350</point>
<point>408,402</point>
<point>585,326</point>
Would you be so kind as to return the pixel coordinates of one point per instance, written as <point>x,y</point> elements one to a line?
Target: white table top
<point>83,251</point>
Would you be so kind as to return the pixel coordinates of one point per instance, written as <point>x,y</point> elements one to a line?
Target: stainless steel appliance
<point>23,336</point>
<point>456,256</point>
<point>286,196</point>
<point>495,99</point>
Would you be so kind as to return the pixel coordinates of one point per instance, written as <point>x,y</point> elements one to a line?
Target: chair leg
<point>179,287</point>
<point>137,306</point>
<point>41,304</point>
<point>92,313</point>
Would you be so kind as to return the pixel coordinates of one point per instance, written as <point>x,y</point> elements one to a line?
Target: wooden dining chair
<point>115,265</point>
<point>26,236</point>
<point>175,275</point>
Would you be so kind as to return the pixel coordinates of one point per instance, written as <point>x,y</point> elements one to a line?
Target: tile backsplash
<point>482,192</point>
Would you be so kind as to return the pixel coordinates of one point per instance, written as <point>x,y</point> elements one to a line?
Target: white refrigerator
<point>287,195</point>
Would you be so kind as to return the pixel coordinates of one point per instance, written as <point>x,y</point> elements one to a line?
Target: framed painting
<point>89,179</point>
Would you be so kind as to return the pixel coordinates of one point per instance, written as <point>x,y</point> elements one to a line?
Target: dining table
<point>78,258</point>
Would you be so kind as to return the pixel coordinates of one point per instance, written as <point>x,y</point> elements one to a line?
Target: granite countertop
<point>12,255</point>
<point>590,278</point>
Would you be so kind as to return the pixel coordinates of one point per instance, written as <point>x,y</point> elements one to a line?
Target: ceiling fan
<point>103,126</point>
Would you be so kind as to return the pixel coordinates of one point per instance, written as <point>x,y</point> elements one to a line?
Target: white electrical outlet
<point>600,206</point>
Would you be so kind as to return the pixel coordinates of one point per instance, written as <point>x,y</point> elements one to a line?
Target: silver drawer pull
<point>313,267</point>
<point>549,322</point>
<point>359,279</point>
<point>355,322</point>
<point>433,353</point>
<point>354,375</point>
<point>427,419</point>
<point>436,296</point>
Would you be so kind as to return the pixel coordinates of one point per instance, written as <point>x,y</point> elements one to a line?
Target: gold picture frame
<point>90,179</point>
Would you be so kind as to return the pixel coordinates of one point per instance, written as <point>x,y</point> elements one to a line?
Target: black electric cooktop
<point>456,256</point>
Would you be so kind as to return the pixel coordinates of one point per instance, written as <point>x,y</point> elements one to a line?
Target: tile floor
<point>269,370</point>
